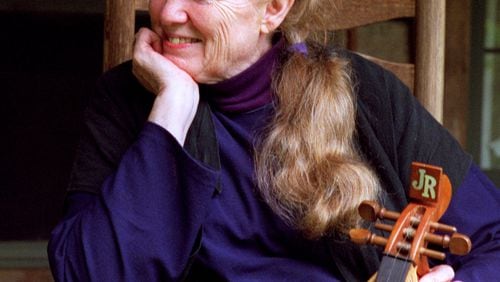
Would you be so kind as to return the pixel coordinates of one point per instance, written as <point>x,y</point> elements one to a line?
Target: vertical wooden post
<point>429,81</point>
<point>457,68</point>
<point>118,32</point>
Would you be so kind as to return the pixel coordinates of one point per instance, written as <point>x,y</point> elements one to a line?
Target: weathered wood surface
<point>355,13</point>
<point>429,65</point>
<point>119,27</point>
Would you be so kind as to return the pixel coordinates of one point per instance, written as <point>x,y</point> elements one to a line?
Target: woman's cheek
<point>217,51</point>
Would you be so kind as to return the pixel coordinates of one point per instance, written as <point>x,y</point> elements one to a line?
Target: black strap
<point>201,141</point>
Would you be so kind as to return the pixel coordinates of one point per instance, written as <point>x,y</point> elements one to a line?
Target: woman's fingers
<point>440,273</point>
<point>145,38</point>
<point>152,69</point>
<point>147,60</point>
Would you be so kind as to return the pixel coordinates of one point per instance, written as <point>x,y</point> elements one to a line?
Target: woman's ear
<point>276,11</point>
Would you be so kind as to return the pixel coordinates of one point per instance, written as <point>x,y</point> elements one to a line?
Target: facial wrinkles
<point>218,52</point>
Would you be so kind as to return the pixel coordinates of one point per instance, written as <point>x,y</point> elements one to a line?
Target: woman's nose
<point>174,12</point>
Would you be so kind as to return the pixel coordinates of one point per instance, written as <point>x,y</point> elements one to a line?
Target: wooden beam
<point>405,72</point>
<point>354,13</point>
<point>457,68</point>
<point>119,20</point>
<point>429,80</point>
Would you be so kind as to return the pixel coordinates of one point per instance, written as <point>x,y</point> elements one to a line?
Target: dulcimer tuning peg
<point>443,227</point>
<point>460,244</point>
<point>371,211</point>
<point>364,236</point>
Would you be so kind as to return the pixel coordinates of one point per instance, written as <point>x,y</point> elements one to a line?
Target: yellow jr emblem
<point>424,182</point>
<point>427,183</point>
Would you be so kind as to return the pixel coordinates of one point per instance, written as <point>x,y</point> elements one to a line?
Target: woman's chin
<point>205,76</point>
<point>196,70</point>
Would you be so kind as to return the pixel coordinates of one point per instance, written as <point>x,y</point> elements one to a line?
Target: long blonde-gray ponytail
<point>308,168</point>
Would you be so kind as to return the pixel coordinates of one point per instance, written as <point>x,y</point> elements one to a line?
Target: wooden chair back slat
<point>405,72</point>
<point>349,14</point>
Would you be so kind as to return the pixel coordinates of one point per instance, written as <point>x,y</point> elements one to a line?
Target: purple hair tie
<point>300,47</point>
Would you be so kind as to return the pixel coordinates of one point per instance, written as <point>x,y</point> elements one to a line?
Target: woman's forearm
<point>145,223</point>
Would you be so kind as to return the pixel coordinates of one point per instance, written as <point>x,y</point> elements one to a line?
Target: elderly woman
<point>236,147</point>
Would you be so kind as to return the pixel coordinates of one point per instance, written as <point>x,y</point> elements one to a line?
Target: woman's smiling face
<point>211,40</point>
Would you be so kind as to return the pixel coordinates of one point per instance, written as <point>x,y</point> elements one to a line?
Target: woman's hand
<point>440,273</point>
<point>177,94</point>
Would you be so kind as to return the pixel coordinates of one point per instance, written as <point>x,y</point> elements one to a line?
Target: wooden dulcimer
<point>406,249</point>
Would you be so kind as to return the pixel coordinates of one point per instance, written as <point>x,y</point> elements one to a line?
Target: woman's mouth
<point>182,40</point>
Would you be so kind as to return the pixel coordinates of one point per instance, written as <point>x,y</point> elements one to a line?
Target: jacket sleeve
<point>474,210</point>
<point>136,198</point>
<point>144,224</point>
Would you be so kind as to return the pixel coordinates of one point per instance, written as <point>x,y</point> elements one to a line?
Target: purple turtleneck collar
<point>247,90</point>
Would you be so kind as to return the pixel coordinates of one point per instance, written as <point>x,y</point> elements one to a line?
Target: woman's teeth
<point>179,40</point>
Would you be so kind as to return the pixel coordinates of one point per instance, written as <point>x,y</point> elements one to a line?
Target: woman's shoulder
<point>120,87</point>
<point>113,118</point>
<point>379,93</point>
<point>119,77</point>
<point>370,77</point>
<point>398,120</point>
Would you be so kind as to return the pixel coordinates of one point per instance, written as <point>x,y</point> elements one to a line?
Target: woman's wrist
<point>175,114</point>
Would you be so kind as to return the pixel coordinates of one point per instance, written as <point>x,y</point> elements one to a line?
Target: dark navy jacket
<point>148,221</point>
